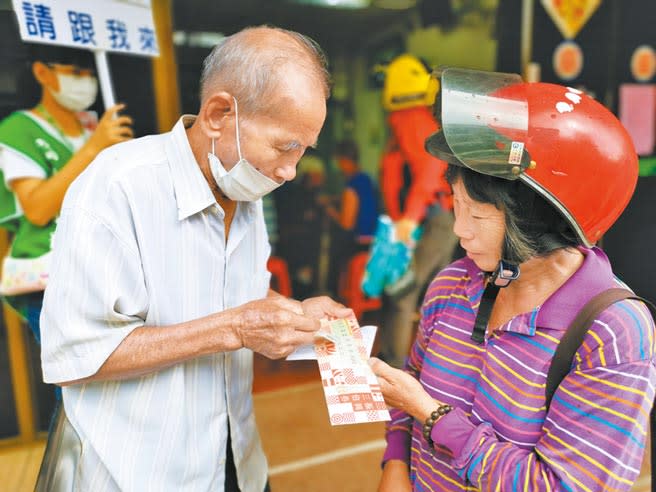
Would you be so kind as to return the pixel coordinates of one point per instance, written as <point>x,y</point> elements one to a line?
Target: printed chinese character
<point>81,27</point>
<point>39,20</point>
<point>118,34</point>
<point>147,40</point>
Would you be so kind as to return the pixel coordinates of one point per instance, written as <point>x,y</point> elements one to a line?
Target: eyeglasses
<point>67,69</point>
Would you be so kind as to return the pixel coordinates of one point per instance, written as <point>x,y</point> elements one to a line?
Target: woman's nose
<point>461,227</point>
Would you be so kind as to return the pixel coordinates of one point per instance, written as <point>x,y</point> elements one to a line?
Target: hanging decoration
<point>567,60</point>
<point>570,15</point>
<point>643,63</point>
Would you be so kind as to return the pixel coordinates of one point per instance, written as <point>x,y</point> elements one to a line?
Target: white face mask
<point>243,182</point>
<point>75,93</point>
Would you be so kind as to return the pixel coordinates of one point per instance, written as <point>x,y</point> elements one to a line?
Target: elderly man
<point>159,290</point>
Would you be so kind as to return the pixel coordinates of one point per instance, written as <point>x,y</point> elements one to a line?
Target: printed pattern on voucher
<point>351,389</point>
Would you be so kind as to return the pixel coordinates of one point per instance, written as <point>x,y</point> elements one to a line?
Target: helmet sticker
<point>516,151</point>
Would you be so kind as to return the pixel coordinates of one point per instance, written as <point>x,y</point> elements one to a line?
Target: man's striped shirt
<point>141,242</point>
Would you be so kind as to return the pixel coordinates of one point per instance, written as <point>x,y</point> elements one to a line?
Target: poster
<point>122,26</point>
<point>570,15</point>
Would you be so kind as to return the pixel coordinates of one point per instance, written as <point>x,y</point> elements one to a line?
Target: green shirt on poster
<point>30,147</point>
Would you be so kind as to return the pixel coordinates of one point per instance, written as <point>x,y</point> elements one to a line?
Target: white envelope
<point>306,352</point>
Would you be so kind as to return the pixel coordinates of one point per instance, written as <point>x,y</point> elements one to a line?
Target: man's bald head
<point>256,64</point>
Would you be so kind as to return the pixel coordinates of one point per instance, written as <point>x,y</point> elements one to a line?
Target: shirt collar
<point>192,193</point>
<point>558,311</point>
<point>593,276</point>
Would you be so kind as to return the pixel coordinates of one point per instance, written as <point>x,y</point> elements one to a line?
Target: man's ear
<point>45,76</point>
<point>214,113</point>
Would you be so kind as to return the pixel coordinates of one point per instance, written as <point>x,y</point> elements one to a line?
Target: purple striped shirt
<point>500,436</point>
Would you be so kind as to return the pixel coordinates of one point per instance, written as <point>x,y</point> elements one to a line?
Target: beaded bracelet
<point>430,422</point>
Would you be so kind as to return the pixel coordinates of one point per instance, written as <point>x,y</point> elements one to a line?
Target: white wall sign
<point>123,26</point>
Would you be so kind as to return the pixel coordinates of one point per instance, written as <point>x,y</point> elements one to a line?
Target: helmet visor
<point>484,118</point>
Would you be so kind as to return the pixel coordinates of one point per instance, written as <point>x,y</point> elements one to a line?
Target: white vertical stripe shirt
<point>140,242</point>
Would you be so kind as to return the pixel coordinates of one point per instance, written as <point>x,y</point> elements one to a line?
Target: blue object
<point>32,315</point>
<point>364,187</point>
<point>389,258</point>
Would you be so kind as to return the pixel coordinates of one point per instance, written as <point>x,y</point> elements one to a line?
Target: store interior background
<point>479,34</point>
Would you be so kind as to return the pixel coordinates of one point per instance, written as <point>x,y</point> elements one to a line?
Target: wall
<point>607,40</point>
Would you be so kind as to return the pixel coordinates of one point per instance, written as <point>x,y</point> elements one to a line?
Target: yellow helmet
<point>408,84</point>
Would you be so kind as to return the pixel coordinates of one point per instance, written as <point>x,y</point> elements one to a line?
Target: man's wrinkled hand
<point>324,307</point>
<point>274,326</point>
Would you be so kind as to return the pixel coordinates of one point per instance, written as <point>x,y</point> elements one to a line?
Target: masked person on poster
<point>539,173</point>
<point>42,150</point>
<point>159,293</point>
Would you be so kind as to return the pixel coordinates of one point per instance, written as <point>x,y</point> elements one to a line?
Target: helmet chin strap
<point>498,279</point>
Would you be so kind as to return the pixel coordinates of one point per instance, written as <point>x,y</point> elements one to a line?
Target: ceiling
<point>335,29</point>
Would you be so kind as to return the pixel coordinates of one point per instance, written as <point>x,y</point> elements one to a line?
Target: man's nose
<point>287,172</point>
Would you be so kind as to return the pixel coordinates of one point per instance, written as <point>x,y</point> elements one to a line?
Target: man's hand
<point>111,129</point>
<point>324,307</point>
<point>401,390</point>
<point>274,326</point>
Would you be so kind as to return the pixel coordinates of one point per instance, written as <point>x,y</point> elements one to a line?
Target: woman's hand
<point>395,478</point>
<point>403,391</point>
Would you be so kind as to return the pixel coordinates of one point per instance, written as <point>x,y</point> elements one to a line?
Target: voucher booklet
<point>351,389</point>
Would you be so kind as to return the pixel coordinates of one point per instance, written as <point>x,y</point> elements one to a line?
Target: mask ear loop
<point>213,148</point>
<point>237,126</point>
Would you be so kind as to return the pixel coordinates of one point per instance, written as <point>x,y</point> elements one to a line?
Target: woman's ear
<point>214,113</point>
<point>45,76</point>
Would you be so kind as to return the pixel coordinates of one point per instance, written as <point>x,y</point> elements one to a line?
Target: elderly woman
<point>539,172</point>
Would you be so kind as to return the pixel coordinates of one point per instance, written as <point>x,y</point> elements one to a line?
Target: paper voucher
<point>351,389</point>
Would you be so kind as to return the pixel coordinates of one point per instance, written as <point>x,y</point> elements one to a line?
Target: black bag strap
<point>484,310</point>
<point>573,338</point>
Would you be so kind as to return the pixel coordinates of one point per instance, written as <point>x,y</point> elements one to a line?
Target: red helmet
<point>557,140</point>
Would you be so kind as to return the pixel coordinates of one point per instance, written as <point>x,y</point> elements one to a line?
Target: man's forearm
<point>153,348</point>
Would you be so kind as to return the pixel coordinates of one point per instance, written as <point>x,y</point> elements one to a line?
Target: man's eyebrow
<point>295,144</point>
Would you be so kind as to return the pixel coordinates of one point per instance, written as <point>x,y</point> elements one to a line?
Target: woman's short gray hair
<point>251,66</point>
<point>533,226</point>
